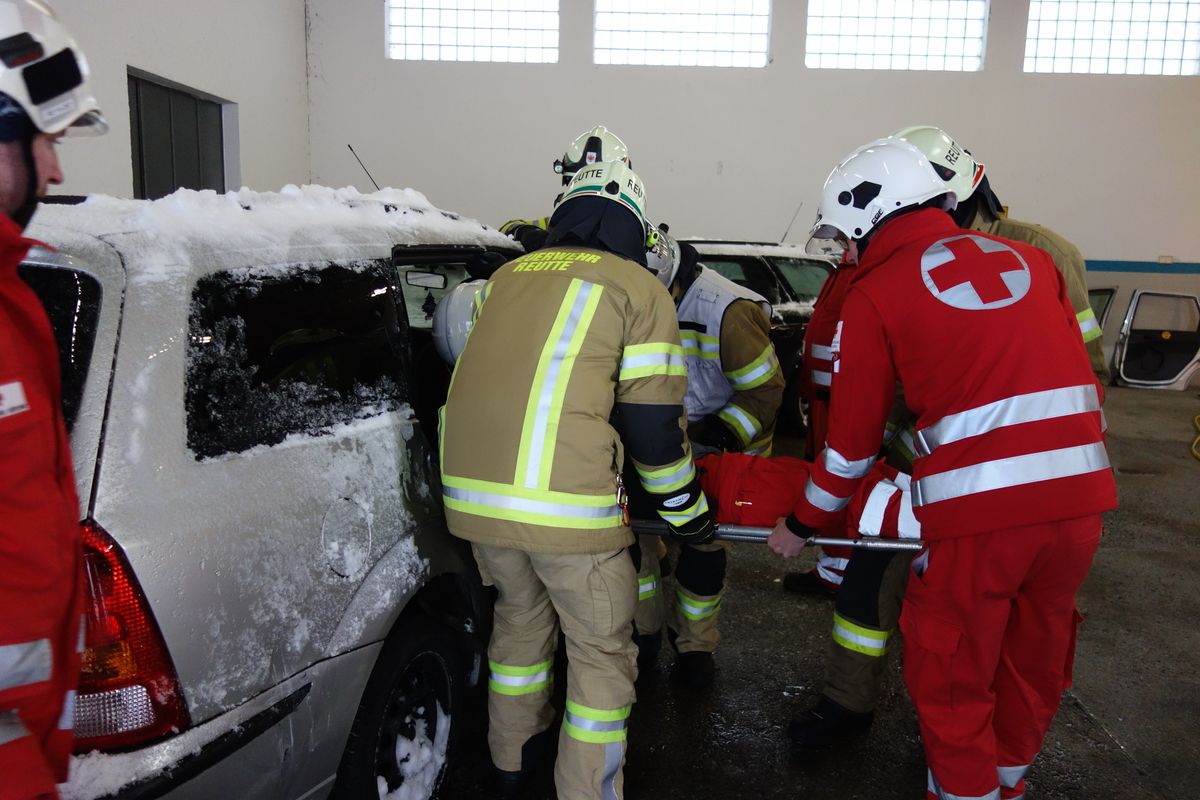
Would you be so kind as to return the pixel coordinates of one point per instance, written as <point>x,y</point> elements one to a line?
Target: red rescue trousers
<point>989,626</point>
<point>36,719</point>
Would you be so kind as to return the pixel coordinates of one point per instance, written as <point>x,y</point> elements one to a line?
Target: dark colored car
<point>790,279</point>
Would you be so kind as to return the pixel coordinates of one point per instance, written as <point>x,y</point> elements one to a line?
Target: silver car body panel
<point>261,565</point>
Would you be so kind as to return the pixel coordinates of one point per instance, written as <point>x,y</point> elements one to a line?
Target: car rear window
<point>72,301</point>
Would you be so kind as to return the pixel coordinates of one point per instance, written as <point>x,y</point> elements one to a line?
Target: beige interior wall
<point>1108,161</point>
<point>251,52</point>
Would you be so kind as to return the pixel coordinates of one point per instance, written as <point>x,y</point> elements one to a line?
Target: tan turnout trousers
<point>692,616</point>
<point>592,597</point>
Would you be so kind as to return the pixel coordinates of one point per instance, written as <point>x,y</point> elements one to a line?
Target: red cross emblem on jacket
<point>974,273</point>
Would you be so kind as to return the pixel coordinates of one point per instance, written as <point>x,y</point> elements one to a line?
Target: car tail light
<point>128,691</point>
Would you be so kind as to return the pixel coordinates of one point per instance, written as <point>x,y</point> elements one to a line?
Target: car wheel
<point>404,732</point>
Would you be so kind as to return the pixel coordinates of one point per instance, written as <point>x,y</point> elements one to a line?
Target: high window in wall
<point>1134,38</point>
<point>948,35</point>
<point>177,136</point>
<point>473,30</point>
<point>686,33</point>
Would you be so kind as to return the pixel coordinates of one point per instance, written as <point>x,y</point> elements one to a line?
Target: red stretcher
<point>751,493</point>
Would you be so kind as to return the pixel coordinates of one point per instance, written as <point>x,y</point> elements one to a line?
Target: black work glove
<point>528,233</point>
<point>712,432</point>
<point>697,531</point>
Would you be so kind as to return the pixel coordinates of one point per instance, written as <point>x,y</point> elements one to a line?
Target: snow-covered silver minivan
<point>274,606</point>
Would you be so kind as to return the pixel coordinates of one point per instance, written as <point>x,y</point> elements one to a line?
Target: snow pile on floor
<point>421,760</point>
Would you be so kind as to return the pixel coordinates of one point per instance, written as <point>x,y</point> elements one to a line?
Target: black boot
<point>649,645</point>
<point>694,670</point>
<point>537,750</point>
<point>507,785</point>
<point>826,723</point>
<point>808,583</point>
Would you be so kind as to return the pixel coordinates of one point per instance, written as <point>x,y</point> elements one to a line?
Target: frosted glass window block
<point>714,33</point>
<point>1133,37</point>
<point>473,30</point>
<point>946,35</point>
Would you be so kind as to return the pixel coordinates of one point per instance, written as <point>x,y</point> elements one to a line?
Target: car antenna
<point>783,238</point>
<point>364,166</point>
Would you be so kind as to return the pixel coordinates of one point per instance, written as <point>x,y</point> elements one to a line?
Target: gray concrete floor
<point>1129,729</point>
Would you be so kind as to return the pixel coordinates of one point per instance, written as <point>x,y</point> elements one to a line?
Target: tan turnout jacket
<point>530,459</point>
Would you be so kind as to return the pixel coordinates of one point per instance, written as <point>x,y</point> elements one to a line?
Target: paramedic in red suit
<point>826,577</point>
<point>43,92</point>
<point>1011,475</point>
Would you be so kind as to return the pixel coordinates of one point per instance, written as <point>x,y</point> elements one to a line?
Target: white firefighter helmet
<point>453,319</point>
<point>591,147</point>
<point>875,181</point>
<point>612,180</point>
<point>953,163</point>
<point>663,258</point>
<point>44,72</point>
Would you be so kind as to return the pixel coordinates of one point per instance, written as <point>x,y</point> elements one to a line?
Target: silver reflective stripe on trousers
<point>821,351</point>
<point>1032,407</point>
<point>843,467</point>
<point>613,751</point>
<point>822,378</point>
<point>1011,776</point>
<point>1004,473</point>
<point>613,754</point>
<point>24,664</point>
<point>11,728</point>
<point>66,720</point>
<point>823,499</point>
<point>936,789</point>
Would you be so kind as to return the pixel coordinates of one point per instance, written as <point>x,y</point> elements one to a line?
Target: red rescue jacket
<point>818,352</point>
<point>40,544</point>
<point>982,336</point>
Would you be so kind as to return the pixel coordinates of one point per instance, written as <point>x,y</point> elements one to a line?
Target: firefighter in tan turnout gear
<point>735,388</point>
<point>565,336</point>
<point>590,147</point>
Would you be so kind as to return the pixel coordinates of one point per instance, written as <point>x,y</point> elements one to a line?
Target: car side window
<point>287,353</point>
<point>748,272</point>
<point>804,277</point>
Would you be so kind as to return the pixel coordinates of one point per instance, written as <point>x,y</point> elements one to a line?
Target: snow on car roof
<point>191,230</point>
<point>715,246</point>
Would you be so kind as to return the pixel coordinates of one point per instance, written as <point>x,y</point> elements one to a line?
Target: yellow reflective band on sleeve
<point>480,298</point>
<point>595,725</point>
<point>656,358</point>
<point>532,506</point>
<point>517,681</point>
<point>539,434</point>
<point>685,516</point>
<point>694,609</point>
<point>760,447</point>
<point>756,373</point>
<point>1088,326</point>
<point>669,478</point>
<point>858,638</point>
<point>745,424</point>
<point>543,223</point>
<point>647,587</point>
<point>700,345</point>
